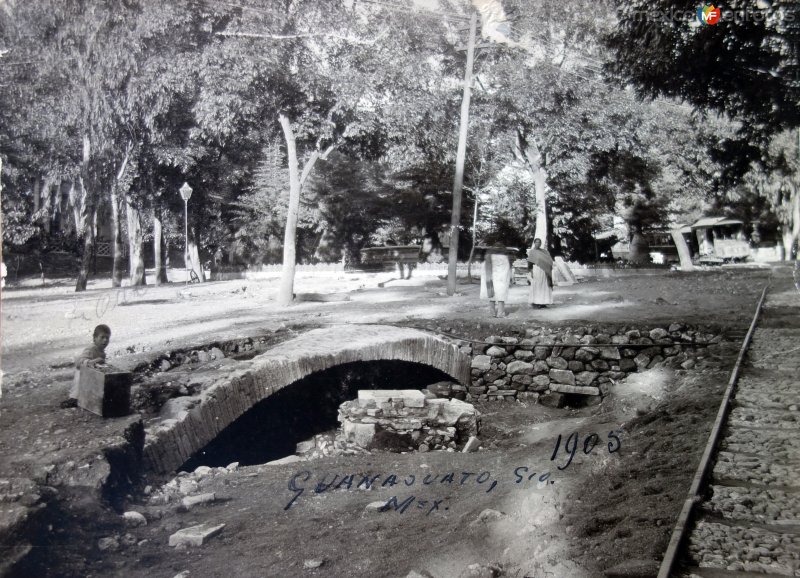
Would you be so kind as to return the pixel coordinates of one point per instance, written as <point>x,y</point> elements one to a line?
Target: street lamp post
<point>186,194</point>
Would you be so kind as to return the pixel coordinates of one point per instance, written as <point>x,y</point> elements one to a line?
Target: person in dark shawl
<point>540,267</point>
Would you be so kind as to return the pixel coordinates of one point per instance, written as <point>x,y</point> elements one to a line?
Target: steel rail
<point>679,531</point>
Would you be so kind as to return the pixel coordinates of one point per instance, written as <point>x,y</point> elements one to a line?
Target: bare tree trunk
<point>135,248</point>
<point>474,238</point>
<point>683,251</point>
<point>116,241</point>
<point>116,229</point>
<point>640,248</point>
<point>158,248</point>
<point>194,257</point>
<point>530,154</point>
<point>795,221</point>
<point>286,290</point>
<point>47,205</point>
<point>296,180</point>
<point>76,202</point>
<point>84,216</point>
<point>37,194</point>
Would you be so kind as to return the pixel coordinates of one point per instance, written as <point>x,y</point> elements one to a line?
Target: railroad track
<point>742,516</point>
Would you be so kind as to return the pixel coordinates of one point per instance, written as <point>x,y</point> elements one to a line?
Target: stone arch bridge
<point>187,424</point>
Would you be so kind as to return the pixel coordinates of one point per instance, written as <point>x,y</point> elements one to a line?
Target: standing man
<point>540,267</point>
<point>495,278</point>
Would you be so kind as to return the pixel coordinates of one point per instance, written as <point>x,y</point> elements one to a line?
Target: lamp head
<point>185,191</point>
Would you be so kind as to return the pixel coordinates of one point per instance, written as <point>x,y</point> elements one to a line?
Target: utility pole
<point>458,182</point>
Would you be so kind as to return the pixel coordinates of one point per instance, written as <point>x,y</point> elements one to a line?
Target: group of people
<point>497,273</point>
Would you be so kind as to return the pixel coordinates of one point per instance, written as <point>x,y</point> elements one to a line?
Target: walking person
<point>496,278</point>
<point>540,267</point>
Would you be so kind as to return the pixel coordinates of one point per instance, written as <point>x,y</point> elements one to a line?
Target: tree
<point>747,66</point>
<point>320,71</point>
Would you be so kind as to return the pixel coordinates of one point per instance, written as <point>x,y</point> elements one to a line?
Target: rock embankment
<point>549,365</point>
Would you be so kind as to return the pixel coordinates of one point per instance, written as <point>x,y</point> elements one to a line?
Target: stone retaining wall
<point>584,360</point>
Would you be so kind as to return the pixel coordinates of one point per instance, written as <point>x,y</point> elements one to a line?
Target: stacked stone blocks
<point>409,417</point>
<point>584,361</point>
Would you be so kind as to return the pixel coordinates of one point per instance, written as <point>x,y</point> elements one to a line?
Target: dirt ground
<point>603,509</point>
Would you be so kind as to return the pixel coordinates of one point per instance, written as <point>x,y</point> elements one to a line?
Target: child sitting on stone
<point>90,357</point>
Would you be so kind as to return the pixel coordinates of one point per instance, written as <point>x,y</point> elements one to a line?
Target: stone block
<point>410,397</point>
<point>105,391</point>
<point>620,339</point>
<point>575,366</point>
<point>522,367</point>
<point>540,366</point>
<point>190,501</point>
<point>524,355</point>
<point>133,519</point>
<point>588,339</point>
<point>360,434</point>
<point>195,535</point>
<point>305,447</point>
<point>641,361</point>
<point>495,351</point>
<point>477,390</point>
<point>493,375</point>
<point>600,365</point>
<point>658,333</point>
<point>568,353</point>
<point>522,379</point>
<point>482,362</point>
<point>584,355</point>
<point>582,390</point>
<point>552,399</point>
<point>633,334</point>
<point>557,363</point>
<point>541,352</point>
<point>472,445</point>
<point>627,364</point>
<point>610,353</point>
<point>585,377</point>
<point>540,383</point>
<point>455,409</point>
<point>562,376</point>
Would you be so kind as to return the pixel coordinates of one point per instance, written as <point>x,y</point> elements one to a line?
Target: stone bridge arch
<point>191,422</point>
